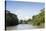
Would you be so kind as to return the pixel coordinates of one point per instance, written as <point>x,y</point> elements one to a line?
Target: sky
<point>28,0</point>
<point>24,10</point>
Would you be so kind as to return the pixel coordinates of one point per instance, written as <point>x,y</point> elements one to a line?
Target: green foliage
<point>39,19</point>
<point>11,19</point>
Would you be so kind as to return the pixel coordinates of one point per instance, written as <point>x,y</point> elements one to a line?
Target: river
<point>21,27</point>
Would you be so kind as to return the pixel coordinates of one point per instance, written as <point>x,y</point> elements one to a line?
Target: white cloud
<point>24,13</point>
<point>28,17</point>
<point>20,13</point>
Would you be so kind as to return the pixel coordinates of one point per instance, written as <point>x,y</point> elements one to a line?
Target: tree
<point>39,19</point>
<point>11,19</point>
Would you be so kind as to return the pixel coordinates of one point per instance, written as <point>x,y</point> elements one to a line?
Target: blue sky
<point>24,10</point>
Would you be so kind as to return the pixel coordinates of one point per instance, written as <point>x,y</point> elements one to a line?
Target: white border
<point>2,7</point>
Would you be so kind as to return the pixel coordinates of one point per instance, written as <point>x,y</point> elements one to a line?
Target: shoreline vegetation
<point>37,20</point>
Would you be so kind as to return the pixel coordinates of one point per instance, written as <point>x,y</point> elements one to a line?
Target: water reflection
<point>21,27</point>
